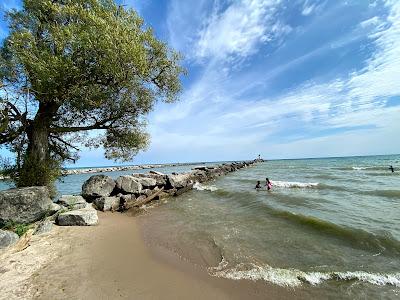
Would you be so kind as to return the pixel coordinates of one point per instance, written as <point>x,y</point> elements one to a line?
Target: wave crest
<point>201,187</point>
<point>293,184</point>
<point>293,277</point>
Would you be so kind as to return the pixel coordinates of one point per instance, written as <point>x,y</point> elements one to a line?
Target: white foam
<point>200,187</point>
<point>359,168</point>
<point>293,278</point>
<point>293,184</point>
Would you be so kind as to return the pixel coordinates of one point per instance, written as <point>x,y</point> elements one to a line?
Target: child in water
<point>258,185</point>
<point>268,184</point>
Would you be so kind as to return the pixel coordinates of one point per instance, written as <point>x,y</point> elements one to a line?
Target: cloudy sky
<point>280,78</point>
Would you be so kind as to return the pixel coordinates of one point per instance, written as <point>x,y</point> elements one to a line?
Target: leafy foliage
<point>79,72</point>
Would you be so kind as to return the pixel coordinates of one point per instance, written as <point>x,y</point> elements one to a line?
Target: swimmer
<point>391,169</point>
<point>258,185</point>
<point>268,184</point>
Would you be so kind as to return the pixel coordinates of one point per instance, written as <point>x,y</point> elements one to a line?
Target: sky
<point>280,78</point>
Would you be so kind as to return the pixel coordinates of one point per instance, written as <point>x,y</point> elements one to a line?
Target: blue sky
<point>283,78</point>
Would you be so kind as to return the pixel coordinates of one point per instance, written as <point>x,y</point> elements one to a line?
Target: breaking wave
<point>288,184</point>
<point>201,187</point>
<point>360,168</point>
<point>293,277</point>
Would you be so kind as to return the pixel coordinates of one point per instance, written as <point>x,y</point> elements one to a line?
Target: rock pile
<point>101,192</point>
<point>134,190</point>
<point>117,169</point>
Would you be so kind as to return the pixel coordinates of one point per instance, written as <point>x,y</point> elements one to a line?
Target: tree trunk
<point>38,168</point>
<point>38,147</point>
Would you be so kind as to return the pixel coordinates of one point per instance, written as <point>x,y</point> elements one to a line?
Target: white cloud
<point>308,9</point>
<point>347,102</point>
<point>239,29</point>
<point>370,22</point>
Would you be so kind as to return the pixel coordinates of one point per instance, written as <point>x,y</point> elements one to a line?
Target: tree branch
<point>64,142</point>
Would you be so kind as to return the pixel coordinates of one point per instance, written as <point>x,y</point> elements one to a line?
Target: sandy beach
<point>112,261</point>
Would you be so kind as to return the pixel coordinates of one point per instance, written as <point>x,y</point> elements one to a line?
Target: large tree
<point>79,72</point>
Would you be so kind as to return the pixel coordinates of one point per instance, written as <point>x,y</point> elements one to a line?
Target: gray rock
<point>147,179</point>
<point>24,205</point>
<point>107,203</point>
<point>129,197</point>
<point>72,201</point>
<point>199,175</point>
<point>55,208</point>
<point>44,227</point>
<point>161,180</point>
<point>127,200</point>
<point>147,182</point>
<point>179,180</point>
<point>129,184</point>
<point>80,217</point>
<point>98,186</point>
<point>7,238</point>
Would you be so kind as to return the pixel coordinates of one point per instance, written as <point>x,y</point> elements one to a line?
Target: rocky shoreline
<point>119,168</point>
<point>33,207</point>
<point>92,170</point>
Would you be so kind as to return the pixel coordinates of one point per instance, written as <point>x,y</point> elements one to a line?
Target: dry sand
<point>111,261</point>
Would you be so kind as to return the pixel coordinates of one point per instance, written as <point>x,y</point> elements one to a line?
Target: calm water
<point>330,226</point>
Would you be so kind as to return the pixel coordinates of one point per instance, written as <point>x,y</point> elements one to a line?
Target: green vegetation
<point>19,229</point>
<point>73,67</point>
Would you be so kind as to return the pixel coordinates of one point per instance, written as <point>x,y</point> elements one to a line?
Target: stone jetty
<point>32,207</point>
<point>103,193</point>
<point>119,168</point>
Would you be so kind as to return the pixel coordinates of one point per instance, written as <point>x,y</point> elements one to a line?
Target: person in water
<point>268,184</point>
<point>391,169</point>
<point>258,185</point>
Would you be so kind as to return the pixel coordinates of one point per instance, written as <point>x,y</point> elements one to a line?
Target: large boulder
<point>179,180</point>
<point>55,208</point>
<point>24,205</point>
<point>129,184</point>
<point>98,186</point>
<point>107,203</point>
<point>7,238</point>
<point>150,180</point>
<point>72,201</point>
<point>81,217</point>
<point>161,180</point>
<point>199,175</point>
<point>147,182</point>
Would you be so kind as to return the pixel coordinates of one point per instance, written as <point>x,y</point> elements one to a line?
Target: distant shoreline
<point>120,168</point>
<point>102,169</point>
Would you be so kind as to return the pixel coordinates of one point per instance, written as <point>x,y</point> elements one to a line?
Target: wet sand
<point>111,261</point>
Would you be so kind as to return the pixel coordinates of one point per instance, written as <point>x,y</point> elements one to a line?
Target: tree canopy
<point>70,67</point>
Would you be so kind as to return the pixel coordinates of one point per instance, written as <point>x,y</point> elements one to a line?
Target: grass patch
<point>19,229</point>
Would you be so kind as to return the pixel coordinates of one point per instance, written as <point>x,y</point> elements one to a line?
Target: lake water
<point>330,226</point>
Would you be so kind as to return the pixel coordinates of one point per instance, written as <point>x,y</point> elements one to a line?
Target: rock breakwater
<point>119,168</point>
<point>133,191</point>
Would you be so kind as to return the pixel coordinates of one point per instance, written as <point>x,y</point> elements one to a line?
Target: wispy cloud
<point>239,29</point>
<point>350,103</point>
